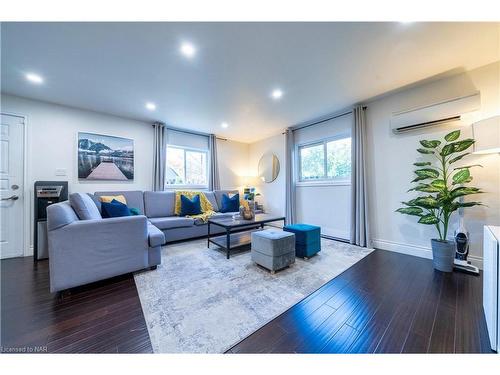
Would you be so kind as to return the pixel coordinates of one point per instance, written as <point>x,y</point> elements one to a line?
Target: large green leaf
<point>462,191</point>
<point>415,211</point>
<point>420,178</point>
<point>457,158</point>
<point>466,181</point>
<point>450,137</point>
<point>457,147</point>
<point>447,150</point>
<point>461,176</point>
<point>427,172</point>
<point>468,166</point>
<point>425,202</point>
<point>426,188</point>
<point>422,163</point>
<point>440,184</point>
<point>462,145</point>
<point>456,205</point>
<point>428,219</point>
<point>424,151</point>
<point>430,144</point>
<point>469,204</point>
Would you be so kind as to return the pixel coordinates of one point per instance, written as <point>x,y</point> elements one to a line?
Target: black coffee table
<point>236,236</point>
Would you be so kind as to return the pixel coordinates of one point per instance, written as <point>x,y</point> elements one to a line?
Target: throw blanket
<point>206,207</point>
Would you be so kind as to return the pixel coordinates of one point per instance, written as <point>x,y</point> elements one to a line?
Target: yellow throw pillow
<point>109,198</point>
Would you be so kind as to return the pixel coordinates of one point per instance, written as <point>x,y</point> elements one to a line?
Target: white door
<point>11,185</point>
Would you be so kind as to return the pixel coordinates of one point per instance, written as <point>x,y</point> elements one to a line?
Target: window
<point>326,160</point>
<point>186,167</point>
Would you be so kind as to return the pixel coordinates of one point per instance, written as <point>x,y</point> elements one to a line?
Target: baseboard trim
<point>416,250</point>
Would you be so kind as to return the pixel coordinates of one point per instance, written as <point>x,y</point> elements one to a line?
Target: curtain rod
<point>317,122</point>
<point>194,132</point>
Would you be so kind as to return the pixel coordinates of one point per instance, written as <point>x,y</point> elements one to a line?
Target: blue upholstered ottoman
<point>307,239</point>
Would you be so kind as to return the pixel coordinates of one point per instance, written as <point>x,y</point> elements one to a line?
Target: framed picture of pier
<point>104,157</point>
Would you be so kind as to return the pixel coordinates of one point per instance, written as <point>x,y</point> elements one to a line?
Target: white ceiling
<point>321,67</point>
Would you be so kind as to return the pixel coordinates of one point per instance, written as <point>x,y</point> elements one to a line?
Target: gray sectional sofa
<point>84,247</point>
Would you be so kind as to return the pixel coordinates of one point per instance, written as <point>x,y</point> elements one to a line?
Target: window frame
<point>325,181</point>
<point>187,186</point>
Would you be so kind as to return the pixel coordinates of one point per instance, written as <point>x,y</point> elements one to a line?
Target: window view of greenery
<point>328,160</point>
<point>186,167</point>
<point>312,162</point>
<point>338,158</point>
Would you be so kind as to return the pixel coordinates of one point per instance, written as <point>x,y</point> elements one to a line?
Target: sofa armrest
<point>90,250</point>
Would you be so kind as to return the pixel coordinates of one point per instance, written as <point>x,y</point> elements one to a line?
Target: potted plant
<point>445,187</point>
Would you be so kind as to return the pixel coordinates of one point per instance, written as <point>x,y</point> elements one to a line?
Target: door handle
<point>11,198</point>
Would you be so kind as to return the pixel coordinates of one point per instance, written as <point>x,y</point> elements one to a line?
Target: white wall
<point>273,193</point>
<point>390,159</point>
<point>52,144</point>
<point>233,163</point>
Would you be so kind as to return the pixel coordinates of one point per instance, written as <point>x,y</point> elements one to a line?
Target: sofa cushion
<point>155,236</point>
<point>159,203</point>
<point>84,206</point>
<point>219,193</point>
<point>114,209</point>
<point>134,198</point>
<point>96,200</point>
<point>211,198</point>
<point>59,215</point>
<point>170,222</point>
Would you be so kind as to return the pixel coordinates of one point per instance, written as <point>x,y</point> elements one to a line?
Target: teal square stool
<point>307,239</point>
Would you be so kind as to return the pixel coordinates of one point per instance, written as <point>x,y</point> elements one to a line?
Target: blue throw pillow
<point>114,209</point>
<point>190,206</point>
<point>230,204</point>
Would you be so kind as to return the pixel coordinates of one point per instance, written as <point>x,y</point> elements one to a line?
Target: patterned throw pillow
<point>109,198</point>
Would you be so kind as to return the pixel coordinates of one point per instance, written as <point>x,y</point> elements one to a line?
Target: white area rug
<point>197,301</point>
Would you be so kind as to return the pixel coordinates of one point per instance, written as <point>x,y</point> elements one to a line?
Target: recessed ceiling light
<point>224,125</point>
<point>34,78</point>
<point>188,50</point>
<point>151,106</point>
<point>276,94</point>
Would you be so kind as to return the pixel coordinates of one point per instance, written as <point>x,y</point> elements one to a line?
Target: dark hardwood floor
<point>104,317</point>
<point>386,303</point>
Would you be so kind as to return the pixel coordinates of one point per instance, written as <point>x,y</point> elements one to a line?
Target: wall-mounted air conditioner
<point>435,113</point>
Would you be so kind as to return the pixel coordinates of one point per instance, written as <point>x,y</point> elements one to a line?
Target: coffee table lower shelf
<point>236,239</point>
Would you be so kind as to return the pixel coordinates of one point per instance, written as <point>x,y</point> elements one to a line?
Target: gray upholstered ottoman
<point>273,249</point>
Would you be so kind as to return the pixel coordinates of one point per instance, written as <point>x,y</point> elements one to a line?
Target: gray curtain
<point>159,158</point>
<point>214,180</point>
<point>289,177</point>
<point>360,230</point>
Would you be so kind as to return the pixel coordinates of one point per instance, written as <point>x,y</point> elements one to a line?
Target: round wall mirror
<point>269,167</point>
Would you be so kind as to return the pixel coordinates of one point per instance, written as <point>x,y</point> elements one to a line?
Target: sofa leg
<point>153,268</point>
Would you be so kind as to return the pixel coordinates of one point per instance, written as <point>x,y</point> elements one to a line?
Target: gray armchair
<point>84,251</point>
